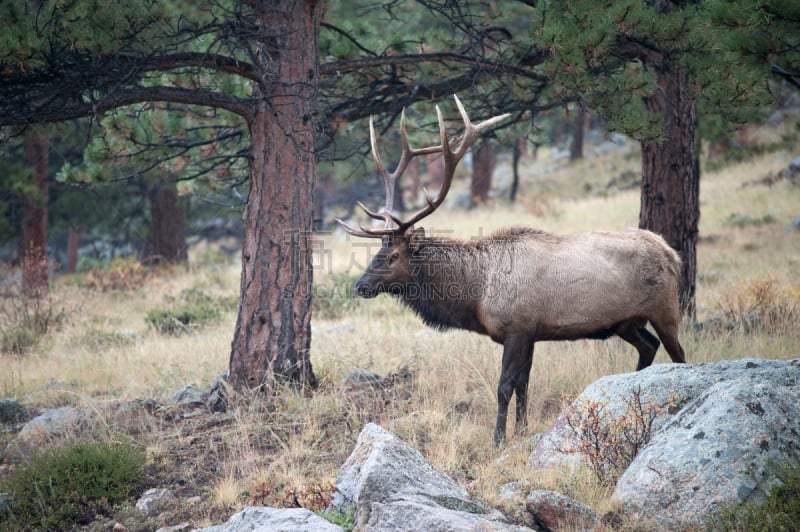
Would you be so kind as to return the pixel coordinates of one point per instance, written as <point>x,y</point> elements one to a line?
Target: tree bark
<point>670,200</point>
<point>435,163</point>
<point>483,162</point>
<point>34,223</point>
<point>273,329</point>
<point>167,226</point>
<point>73,243</point>
<point>576,146</point>
<point>517,155</point>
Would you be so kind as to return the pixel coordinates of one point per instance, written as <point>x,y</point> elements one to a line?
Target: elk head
<point>391,267</point>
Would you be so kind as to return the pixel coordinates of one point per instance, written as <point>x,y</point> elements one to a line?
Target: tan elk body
<point>522,285</point>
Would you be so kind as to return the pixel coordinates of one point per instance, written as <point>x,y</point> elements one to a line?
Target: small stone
<point>52,422</point>
<point>5,501</point>
<point>357,377</point>
<point>152,498</point>
<point>554,511</point>
<point>217,399</point>
<point>175,528</point>
<point>510,491</point>
<point>189,395</point>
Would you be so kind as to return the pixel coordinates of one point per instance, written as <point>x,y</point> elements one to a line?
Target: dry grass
<point>446,404</point>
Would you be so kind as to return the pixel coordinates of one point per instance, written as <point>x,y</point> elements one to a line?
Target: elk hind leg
<point>669,336</point>
<point>644,342</point>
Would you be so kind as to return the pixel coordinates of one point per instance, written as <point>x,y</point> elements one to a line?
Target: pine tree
<point>652,69</point>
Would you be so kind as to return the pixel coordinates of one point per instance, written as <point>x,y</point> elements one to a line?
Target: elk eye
<point>393,258</point>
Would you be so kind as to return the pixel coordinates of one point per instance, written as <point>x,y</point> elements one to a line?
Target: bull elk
<point>521,285</point>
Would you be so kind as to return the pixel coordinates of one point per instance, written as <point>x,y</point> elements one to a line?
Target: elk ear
<point>415,237</point>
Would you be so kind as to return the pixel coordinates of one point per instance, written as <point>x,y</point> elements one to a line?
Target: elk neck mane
<point>449,276</point>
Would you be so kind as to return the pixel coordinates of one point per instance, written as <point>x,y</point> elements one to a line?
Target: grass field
<point>441,398</point>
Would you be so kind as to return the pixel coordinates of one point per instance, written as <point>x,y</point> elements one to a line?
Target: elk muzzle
<point>364,289</point>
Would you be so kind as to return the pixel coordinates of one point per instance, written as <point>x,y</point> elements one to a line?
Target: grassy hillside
<point>439,391</point>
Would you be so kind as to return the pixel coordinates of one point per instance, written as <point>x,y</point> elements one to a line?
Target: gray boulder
<point>720,450</point>
<point>54,422</point>
<point>723,426</point>
<point>671,386</point>
<point>256,518</point>
<point>152,499</point>
<point>554,511</point>
<point>392,487</point>
<point>189,395</point>
<point>217,399</point>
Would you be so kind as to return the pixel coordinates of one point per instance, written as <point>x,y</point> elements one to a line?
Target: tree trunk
<point>576,146</point>
<point>670,201</point>
<point>517,155</point>
<point>167,228</point>
<point>483,162</point>
<point>34,223</point>
<point>435,163</point>
<point>273,328</point>
<point>73,243</point>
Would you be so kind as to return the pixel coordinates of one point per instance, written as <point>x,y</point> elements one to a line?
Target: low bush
<point>118,275</point>
<point>191,309</point>
<point>780,511</point>
<point>610,441</point>
<point>762,303</point>
<point>334,297</point>
<point>26,319</point>
<point>18,340</point>
<point>62,488</point>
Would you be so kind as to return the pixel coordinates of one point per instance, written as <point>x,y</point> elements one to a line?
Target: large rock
<point>262,519</point>
<point>720,450</point>
<point>152,499</point>
<point>722,428</point>
<point>554,511</point>
<point>392,487</point>
<point>671,386</point>
<point>54,422</point>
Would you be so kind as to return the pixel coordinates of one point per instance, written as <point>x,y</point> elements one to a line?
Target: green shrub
<point>780,511</point>
<point>25,319</point>
<point>745,220</point>
<point>18,340</point>
<point>65,487</point>
<point>345,518</point>
<point>335,297</point>
<point>98,338</point>
<point>191,309</point>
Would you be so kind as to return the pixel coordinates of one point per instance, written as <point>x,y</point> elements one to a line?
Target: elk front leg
<point>521,389</point>
<point>517,358</point>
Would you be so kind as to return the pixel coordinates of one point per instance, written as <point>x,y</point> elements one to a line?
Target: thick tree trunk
<point>483,162</point>
<point>576,146</point>
<point>73,243</point>
<point>273,329</point>
<point>167,227</point>
<point>34,223</point>
<point>670,201</point>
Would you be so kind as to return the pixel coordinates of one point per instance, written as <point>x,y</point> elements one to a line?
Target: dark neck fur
<point>447,284</point>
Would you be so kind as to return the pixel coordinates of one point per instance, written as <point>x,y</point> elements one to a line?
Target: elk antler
<point>451,160</point>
